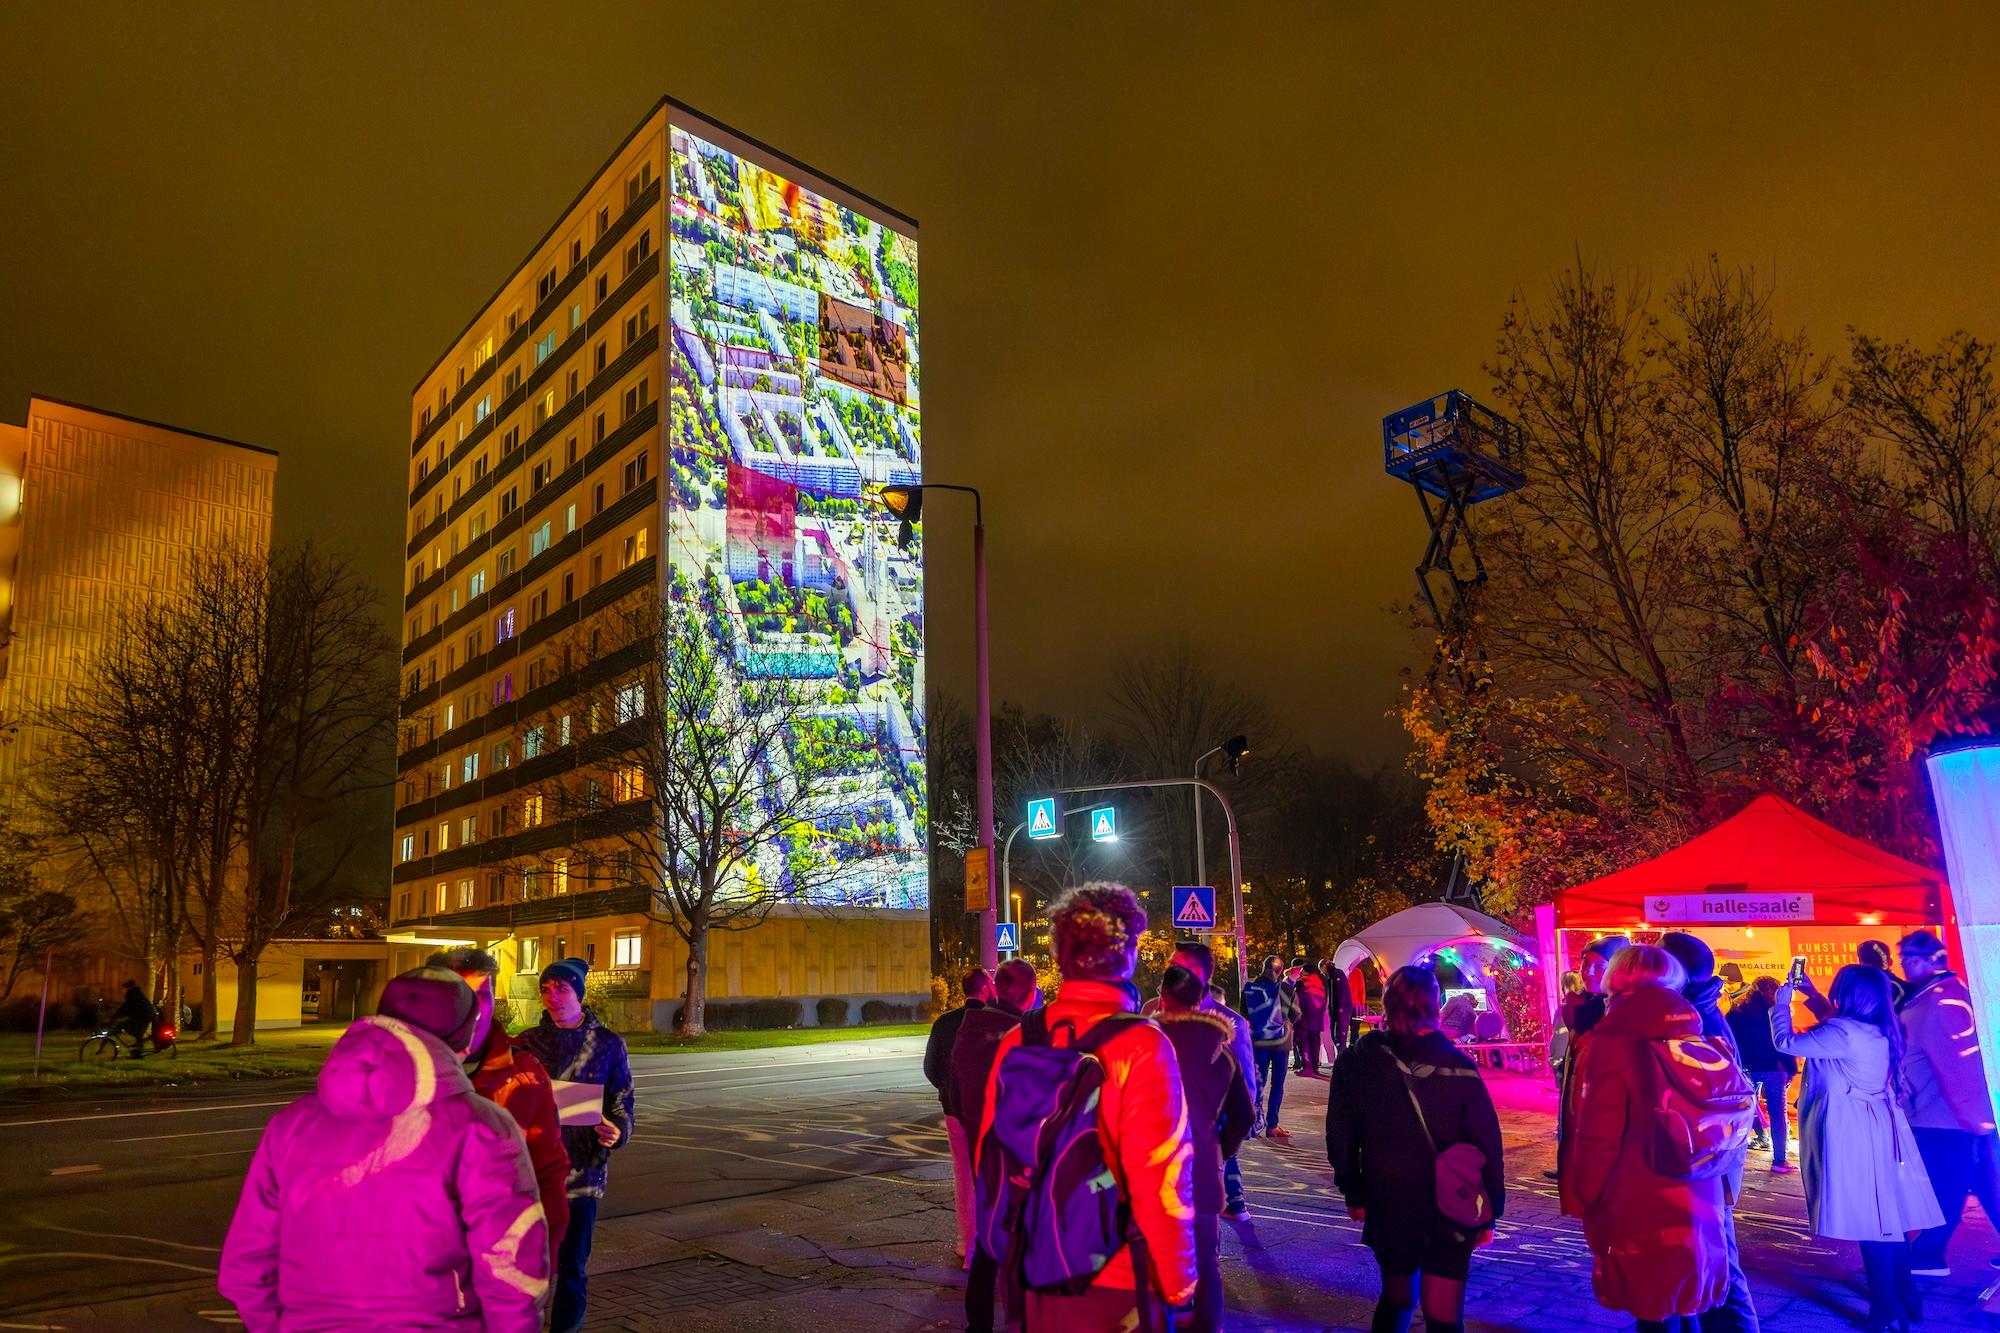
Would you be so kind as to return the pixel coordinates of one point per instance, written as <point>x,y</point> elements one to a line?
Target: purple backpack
<point>1049,1210</point>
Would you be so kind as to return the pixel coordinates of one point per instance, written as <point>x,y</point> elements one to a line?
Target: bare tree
<point>725,796</point>
<point>33,919</point>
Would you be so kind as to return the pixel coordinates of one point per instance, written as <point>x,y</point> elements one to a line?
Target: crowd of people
<point>430,1179</point>
<point>1666,1089</point>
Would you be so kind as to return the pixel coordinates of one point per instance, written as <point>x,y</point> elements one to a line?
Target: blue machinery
<point>1456,454</point>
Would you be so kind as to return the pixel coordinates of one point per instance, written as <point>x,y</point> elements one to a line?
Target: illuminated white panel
<point>1966,784</point>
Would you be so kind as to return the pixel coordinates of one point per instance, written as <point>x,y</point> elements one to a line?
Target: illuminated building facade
<point>706,297</point>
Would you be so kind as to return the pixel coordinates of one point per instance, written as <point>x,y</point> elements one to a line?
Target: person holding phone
<point>1770,1070</point>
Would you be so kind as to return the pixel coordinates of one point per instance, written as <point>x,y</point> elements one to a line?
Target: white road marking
<point>753,1069</point>
<point>127,1115</point>
<point>115,1259</point>
<point>121,1235</point>
<point>191,1134</point>
<point>75,1170</point>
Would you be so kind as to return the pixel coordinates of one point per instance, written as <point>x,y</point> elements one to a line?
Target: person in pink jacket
<point>392,1197</point>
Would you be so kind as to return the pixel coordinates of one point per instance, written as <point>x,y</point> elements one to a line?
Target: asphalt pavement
<point>810,1188</point>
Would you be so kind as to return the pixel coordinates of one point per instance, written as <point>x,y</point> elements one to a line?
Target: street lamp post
<point>1235,747</point>
<point>907,504</point>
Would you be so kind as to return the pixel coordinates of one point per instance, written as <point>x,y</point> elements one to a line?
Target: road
<point>809,1188</point>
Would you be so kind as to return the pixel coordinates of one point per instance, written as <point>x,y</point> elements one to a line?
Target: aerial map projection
<point>795,389</point>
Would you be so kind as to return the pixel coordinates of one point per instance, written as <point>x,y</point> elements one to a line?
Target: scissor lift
<point>1456,454</point>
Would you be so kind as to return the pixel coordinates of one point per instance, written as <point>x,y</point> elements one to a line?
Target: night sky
<point>1174,270</point>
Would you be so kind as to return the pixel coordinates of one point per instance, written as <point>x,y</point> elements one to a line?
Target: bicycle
<point>109,1043</point>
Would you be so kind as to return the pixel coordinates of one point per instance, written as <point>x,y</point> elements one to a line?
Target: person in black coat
<point>978,986</point>
<point>1770,1069</point>
<point>1383,1161</point>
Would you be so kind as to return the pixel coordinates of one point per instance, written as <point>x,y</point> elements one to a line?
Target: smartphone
<point>1797,975</point>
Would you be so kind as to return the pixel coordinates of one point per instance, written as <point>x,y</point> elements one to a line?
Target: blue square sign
<point>1042,820</point>
<point>1007,937</point>
<point>1194,907</point>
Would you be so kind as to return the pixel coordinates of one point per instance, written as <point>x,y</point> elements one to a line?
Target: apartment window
<point>637,185</point>
<point>635,472</point>
<point>469,767</point>
<point>472,646</point>
<point>510,441</point>
<point>559,875</point>
<point>569,518</point>
<point>403,907</point>
<point>443,896</point>
<point>531,742</point>
<point>476,585</point>
<point>503,626</point>
<point>479,466</point>
<point>598,367</point>
<point>603,220</point>
<point>503,757</point>
<point>427,842</point>
<point>545,284</point>
<point>483,410</point>
<point>597,499</point>
<point>545,407</point>
<point>503,690</point>
<point>496,889</point>
<point>409,847</point>
<point>575,383</point>
<point>562,730</point>
<point>538,541</point>
<point>513,321</point>
<point>596,568</point>
<point>636,325</point>
<point>625,949</point>
<point>569,586</point>
<point>444,836</point>
<point>635,549</point>
<point>510,500</point>
<point>635,253</point>
<point>454,591</point>
<point>631,701</point>
<point>505,564</point>
<point>538,606</point>
<point>531,812</point>
<point>575,251</point>
<point>468,830</point>
<point>484,354</point>
<point>531,955</point>
<point>450,716</point>
<point>627,783</point>
<point>597,429</point>
<point>510,382</point>
<point>545,348</point>
<point>636,398</point>
<point>576,317</point>
<point>603,287</point>
<point>539,476</point>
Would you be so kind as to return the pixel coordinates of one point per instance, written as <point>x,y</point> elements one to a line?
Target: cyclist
<point>135,1016</point>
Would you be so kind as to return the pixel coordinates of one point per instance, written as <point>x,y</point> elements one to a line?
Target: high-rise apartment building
<point>682,394</point>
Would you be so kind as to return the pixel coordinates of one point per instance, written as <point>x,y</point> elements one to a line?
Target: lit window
<point>468,830</point>
<point>409,847</point>
<point>450,716</point>
<point>484,410</point>
<point>538,542</point>
<point>471,766</point>
<point>635,471</point>
<point>569,519</point>
<point>531,812</point>
<point>531,955</point>
<point>625,949</point>
<point>503,689</point>
<point>631,702</point>
<point>635,548</point>
<point>465,893</point>
<point>546,348</point>
<point>562,730</point>
<point>503,757</point>
<point>443,896</point>
<point>559,875</point>
<point>531,742</point>
<point>444,835</point>
<point>627,783</point>
<point>503,626</point>
<point>476,585</point>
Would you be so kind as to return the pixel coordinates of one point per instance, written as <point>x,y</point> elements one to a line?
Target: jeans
<point>1959,1163</point>
<point>1673,1323</point>
<point>571,1261</point>
<point>1772,1084</point>
<point>1208,1293</point>
<point>1309,1047</point>
<point>1272,1062</point>
<point>1232,1181</point>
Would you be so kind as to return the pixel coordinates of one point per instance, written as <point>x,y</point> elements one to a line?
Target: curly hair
<point>1097,929</point>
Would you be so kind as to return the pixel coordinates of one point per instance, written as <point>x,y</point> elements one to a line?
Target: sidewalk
<point>869,1249</point>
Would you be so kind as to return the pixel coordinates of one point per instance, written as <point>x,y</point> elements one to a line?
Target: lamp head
<point>1238,749</point>
<point>906,503</point>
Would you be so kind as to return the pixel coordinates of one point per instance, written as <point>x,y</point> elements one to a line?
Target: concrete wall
<point>357,975</point>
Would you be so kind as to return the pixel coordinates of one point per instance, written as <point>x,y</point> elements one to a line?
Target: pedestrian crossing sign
<point>1194,907</point>
<point>1042,822</point>
<point>1007,937</point>
<point>1104,824</point>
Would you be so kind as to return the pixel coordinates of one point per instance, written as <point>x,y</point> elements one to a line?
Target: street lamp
<point>1237,748</point>
<point>907,504</point>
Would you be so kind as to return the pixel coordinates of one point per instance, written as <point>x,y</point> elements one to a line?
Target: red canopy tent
<point>1771,848</point>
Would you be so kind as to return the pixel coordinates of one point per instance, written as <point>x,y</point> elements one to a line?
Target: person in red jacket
<point>1657,1243</point>
<point>1142,1116</point>
<point>515,1081</point>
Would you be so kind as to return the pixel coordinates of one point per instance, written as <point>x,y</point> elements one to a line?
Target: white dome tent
<point>1475,943</point>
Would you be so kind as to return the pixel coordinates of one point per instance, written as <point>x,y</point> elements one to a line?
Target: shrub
<point>773,1014</point>
<point>887,1011</point>
<point>832,1012</point>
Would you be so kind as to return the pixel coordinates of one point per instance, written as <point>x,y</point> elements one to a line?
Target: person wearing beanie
<point>1738,1312</point>
<point>391,1196</point>
<point>516,1082</point>
<point>576,1048</point>
<point>1945,1095</point>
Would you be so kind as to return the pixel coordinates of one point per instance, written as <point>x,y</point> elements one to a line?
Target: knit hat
<point>436,1000</point>
<point>1691,953</point>
<point>1922,943</point>
<point>570,972</point>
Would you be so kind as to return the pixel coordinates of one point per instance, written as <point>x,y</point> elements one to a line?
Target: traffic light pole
<point>1235,850</point>
<point>989,949</point>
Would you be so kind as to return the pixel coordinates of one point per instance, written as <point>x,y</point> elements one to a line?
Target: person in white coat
<point>1864,1178</point>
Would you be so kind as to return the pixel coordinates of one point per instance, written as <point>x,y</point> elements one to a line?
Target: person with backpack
<point>1219,1116</point>
<point>1703,990</point>
<point>1273,1010</point>
<point>1084,1089</point>
<point>1769,1068</point>
<point>1864,1176</point>
<point>978,990</point>
<point>1662,1115</point>
<point>1015,991</point>
<point>1944,1094</point>
<point>1587,1012</point>
<point>1415,1147</point>
<point>1310,988</point>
